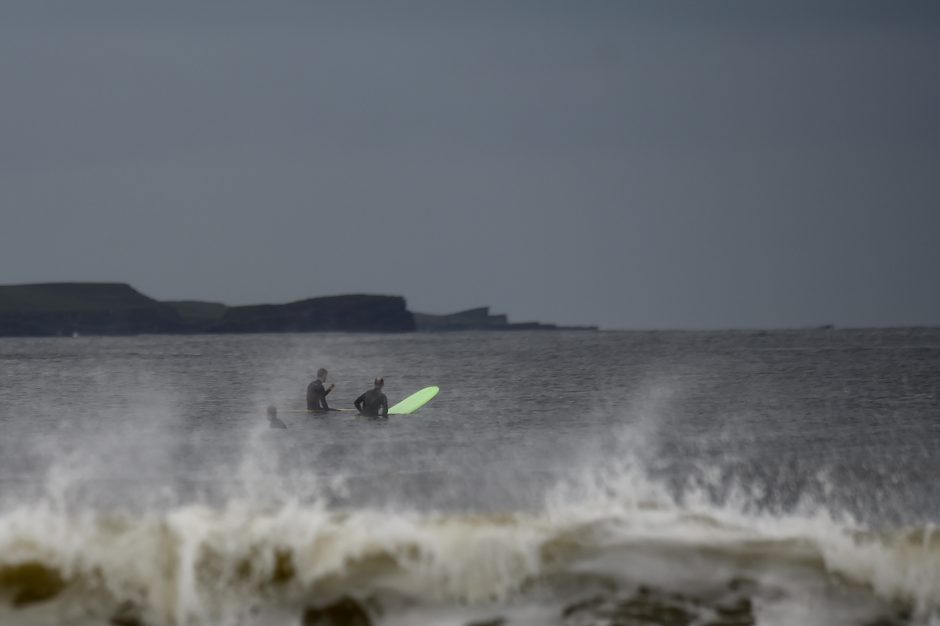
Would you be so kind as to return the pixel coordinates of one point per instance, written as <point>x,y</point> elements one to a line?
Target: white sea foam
<point>199,565</point>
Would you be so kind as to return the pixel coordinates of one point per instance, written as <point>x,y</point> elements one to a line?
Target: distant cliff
<point>56,309</point>
<point>481,319</point>
<point>356,313</point>
<point>83,308</point>
<point>67,309</point>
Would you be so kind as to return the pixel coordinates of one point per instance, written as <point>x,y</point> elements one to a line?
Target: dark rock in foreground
<point>343,612</point>
<point>650,606</point>
<point>29,583</point>
<point>496,621</point>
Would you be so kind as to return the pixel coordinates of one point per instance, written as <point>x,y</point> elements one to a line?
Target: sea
<point>778,478</point>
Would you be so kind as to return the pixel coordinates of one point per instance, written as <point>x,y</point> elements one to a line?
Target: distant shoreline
<point>103,309</point>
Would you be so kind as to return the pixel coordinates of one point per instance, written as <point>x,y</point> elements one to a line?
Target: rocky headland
<point>71,309</point>
<point>481,319</point>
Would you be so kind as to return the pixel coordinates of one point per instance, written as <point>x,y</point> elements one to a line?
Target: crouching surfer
<point>373,403</point>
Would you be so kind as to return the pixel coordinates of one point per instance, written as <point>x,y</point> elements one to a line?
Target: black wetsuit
<point>372,403</point>
<point>316,396</point>
<point>275,422</point>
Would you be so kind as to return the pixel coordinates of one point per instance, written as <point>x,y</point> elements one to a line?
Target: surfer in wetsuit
<point>316,394</point>
<point>273,420</point>
<point>373,403</point>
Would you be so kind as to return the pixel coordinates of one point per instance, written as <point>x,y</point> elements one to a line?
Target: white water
<point>193,564</point>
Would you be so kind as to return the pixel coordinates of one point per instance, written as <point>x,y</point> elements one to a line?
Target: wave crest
<point>197,565</point>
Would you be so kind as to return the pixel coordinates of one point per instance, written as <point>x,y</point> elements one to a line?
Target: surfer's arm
<point>358,402</point>
<point>384,410</point>
<point>327,391</point>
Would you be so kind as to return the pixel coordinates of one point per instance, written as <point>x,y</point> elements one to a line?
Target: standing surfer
<point>316,394</point>
<point>373,403</point>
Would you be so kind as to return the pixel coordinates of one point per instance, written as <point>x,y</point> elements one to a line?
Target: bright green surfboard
<point>414,402</point>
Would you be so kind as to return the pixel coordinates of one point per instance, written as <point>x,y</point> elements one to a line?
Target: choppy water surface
<point>559,478</point>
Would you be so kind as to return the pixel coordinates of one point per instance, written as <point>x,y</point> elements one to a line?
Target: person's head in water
<point>273,419</point>
<point>321,374</point>
<point>379,383</point>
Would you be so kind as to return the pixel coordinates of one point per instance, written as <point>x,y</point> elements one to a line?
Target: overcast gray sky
<point>634,165</point>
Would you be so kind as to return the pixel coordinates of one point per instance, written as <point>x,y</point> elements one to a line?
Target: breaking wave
<point>592,553</point>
